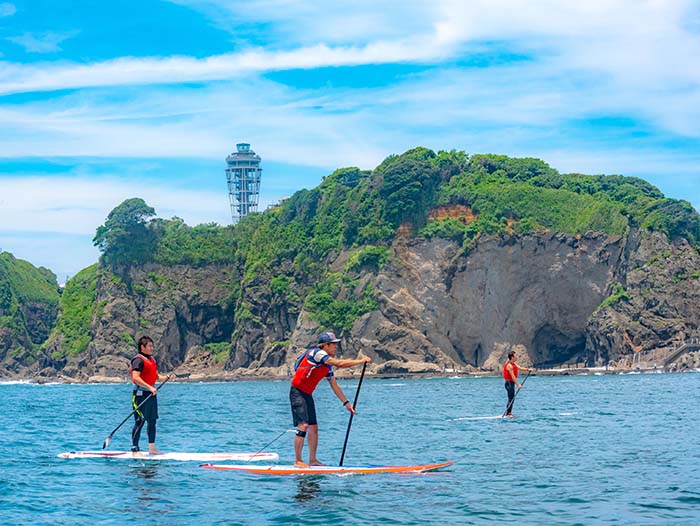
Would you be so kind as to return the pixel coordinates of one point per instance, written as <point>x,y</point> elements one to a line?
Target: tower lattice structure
<point>243,175</point>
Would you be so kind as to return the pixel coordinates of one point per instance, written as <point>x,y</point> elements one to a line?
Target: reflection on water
<point>147,482</point>
<point>308,488</point>
<point>144,472</point>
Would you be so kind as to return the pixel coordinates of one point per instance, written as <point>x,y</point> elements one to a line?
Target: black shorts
<point>303,407</point>
<point>149,410</point>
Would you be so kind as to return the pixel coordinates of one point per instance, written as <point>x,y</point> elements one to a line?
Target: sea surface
<point>582,450</point>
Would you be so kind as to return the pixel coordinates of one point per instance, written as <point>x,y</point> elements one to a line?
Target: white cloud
<point>74,205</point>
<point>133,71</point>
<point>48,42</point>
<point>7,9</point>
<point>285,22</point>
<point>572,51</point>
<point>150,123</point>
<point>579,37</point>
<point>576,62</point>
<point>498,109</point>
<point>64,254</point>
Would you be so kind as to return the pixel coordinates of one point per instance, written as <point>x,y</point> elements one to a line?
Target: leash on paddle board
<point>354,406</point>
<point>109,438</point>
<point>510,405</point>
<point>273,441</point>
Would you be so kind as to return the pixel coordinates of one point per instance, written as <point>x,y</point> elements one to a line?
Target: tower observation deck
<point>243,176</point>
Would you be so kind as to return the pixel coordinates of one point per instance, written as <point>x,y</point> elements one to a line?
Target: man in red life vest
<point>510,374</point>
<point>144,375</point>
<point>313,366</point>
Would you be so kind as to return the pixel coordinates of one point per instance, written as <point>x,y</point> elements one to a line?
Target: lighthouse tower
<point>243,174</point>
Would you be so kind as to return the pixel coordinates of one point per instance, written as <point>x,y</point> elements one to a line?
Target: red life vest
<point>309,374</point>
<point>149,374</point>
<point>506,374</point>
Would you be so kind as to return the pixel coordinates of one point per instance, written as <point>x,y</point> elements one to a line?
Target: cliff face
<point>182,308</point>
<point>546,295</point>
<point>662,307</point>
<point>28,308</point>
<point>550,296</point>
<point>456,309</point>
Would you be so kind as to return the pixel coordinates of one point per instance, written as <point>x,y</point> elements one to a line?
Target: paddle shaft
<point>273,441</point>
<point>510,405</point>
<point>354,406</point>
<point>107,440</point>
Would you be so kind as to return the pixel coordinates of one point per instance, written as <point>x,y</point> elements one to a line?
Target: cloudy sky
<point>101,101</point>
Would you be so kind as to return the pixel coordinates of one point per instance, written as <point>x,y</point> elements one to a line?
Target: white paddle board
<point>198,457</point>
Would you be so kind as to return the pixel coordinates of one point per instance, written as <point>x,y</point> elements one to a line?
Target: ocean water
<point>582,450</point>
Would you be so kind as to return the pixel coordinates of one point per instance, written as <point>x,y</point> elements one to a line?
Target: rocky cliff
<point>659,303</point>
<point>550,295</point>
<point>432,261</point>
<point>28,307</point>
<point>440,306</point>
<point>182,308</point>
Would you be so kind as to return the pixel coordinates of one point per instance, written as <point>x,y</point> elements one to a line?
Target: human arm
<point>528,369</point>
<point>163,377</point>
<point>341,396</point>
<point>338,362</point>
<point>136,379</point>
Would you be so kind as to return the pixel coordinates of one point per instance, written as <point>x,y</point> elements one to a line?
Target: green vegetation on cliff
<point>288,249</point>
<point>78,305</point>
<point>287,258</point>
<point>28,305</point>
<point>530,195</point>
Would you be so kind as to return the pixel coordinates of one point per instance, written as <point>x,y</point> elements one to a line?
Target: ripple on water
<point>582,451</point>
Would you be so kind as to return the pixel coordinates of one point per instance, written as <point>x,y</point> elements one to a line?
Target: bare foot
<point>316,463</point>
<point>155,452</point>
<point>300,464</point>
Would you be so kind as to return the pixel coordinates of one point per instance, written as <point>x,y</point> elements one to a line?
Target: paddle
<point>272,441</point>
<point>109,438</point>
<point>510,405</point>
<point>354,406</point>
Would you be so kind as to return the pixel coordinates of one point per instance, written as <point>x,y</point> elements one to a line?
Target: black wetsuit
<point>148,412</point>
<point>510,389</point>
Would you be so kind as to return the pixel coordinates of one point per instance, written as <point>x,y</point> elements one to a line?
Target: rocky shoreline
<point>688,363</point>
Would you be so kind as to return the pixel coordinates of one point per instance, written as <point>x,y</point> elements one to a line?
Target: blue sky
<point>101,101</point>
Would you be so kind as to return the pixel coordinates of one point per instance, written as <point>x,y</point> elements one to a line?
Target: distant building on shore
<point>243,175</point>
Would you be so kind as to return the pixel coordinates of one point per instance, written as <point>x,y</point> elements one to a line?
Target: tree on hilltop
<point>125,238</point>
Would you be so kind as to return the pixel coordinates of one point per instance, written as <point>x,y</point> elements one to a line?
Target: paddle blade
<point>106,442</point>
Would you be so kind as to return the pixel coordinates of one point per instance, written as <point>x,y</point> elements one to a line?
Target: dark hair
<point>511,354</point>
<point>144,340</point>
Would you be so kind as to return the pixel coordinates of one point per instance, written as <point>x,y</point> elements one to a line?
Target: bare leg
<point>313,445</point>
<point>299,445</point>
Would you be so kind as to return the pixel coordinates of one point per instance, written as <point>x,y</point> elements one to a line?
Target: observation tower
<point>243,176</point>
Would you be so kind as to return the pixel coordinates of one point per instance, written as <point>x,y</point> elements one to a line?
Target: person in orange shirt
<point>510,374</point>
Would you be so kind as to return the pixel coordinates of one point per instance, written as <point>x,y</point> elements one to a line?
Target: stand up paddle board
<point>327,470</point>
<point>199,457</point>
<point>496,417</point>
